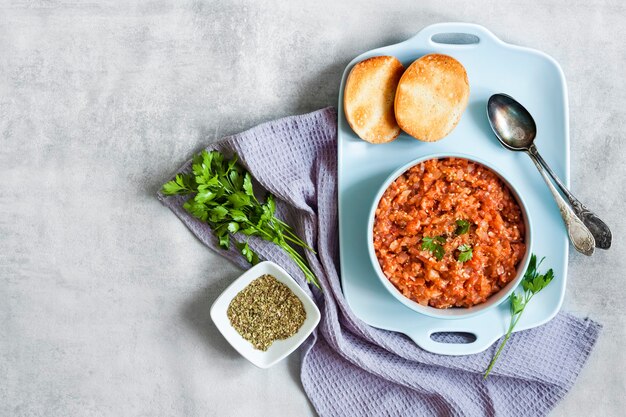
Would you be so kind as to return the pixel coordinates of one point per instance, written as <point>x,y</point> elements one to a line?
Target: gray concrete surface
<point>104,294</point>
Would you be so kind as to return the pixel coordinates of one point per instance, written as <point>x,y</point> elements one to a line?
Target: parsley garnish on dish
<point>462,227</point>
<point>466,252</point>
<point>434,245</point>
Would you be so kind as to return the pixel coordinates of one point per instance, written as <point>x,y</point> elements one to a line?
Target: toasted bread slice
<point>368,98</point>
<point>431,97</point>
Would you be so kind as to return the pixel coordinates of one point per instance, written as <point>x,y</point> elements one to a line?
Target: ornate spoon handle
<point>600,231</point>
<point>578,233</point>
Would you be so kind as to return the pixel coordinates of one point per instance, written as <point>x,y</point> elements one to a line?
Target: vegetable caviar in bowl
<point>447,235</point>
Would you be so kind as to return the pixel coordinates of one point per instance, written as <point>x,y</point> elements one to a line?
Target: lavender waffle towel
<point>351,369</point>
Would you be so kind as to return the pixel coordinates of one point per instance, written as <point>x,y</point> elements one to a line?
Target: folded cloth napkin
<point>352,369</point>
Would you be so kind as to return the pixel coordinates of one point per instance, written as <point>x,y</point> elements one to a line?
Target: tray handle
<point>456,35</point>
<point>485,337</point>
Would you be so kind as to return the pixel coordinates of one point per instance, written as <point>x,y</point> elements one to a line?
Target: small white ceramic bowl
<point>280,349</point>
<point>454,312</point>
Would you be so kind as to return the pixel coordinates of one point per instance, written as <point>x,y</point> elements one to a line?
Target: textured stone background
<point>104,295</point>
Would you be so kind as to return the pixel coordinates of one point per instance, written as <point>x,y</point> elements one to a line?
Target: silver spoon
<point>516,130</point>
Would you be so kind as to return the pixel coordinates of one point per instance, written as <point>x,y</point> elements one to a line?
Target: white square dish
<point>280,349</point>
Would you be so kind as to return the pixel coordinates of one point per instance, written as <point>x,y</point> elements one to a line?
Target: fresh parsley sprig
<point>466,252</point>
<point>532,283</point>
<point>462,227</point>
<point>222,196</point>
<point>434,245</point>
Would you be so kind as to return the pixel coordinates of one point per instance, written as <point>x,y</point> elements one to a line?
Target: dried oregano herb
<point>265,311</point>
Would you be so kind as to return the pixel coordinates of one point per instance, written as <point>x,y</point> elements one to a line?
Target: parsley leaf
<point>204,195</point>
<point>462,227</point>
<point>247,185</point>
<point>532,283</point>
<point>218,214</point>
<point>517,304</point>
<point>233,227</point>
<point>224,240</point>
<point>221,194</point>
<point>466,252</point>
<point>239,199</point>
<point>181,184</point>
<point>434,245</point>
<point>238,215</point>
<point>247,252</point>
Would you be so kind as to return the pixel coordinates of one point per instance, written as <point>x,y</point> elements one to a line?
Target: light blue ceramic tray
<point>535,80</point>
